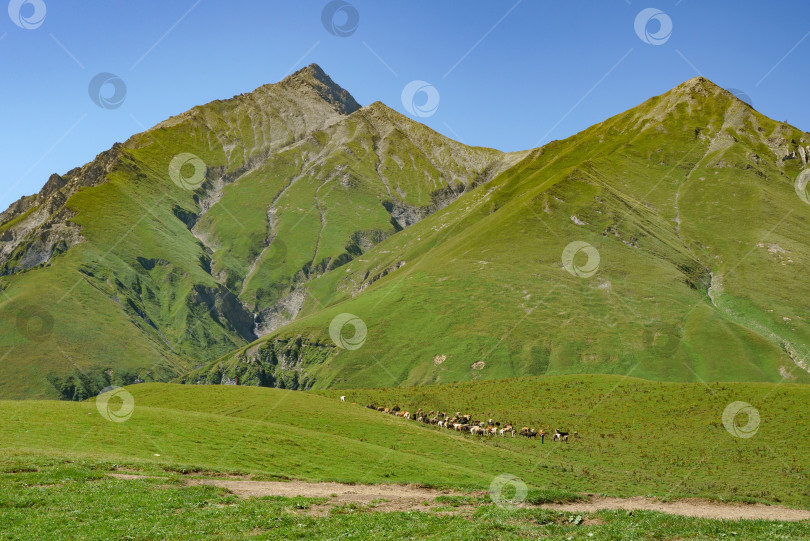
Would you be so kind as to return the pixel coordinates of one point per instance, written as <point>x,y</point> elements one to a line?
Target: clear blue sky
<point>544,71</point>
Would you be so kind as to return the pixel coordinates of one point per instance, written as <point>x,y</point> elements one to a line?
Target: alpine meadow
<point>289,315</point>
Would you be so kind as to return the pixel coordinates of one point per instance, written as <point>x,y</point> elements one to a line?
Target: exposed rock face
<point>225,307</point>
<point>283,312</point>
<point>279,363</point>
<point>35,228</point>
<point>314,77</point>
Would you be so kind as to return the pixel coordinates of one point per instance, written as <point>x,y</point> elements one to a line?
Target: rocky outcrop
<point>37,227</point>
<point>315,78</point>
<point>281,313</point>
<point>223,306</point>
<point>279,363</point>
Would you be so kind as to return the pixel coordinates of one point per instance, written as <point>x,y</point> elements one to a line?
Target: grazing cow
<point>342,398</point>
<point>371,407</point>
<point>560,436</point>
<point>507,430</point>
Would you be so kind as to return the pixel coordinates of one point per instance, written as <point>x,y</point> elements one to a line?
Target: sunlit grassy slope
<point>636,437</point>
<point>689,201</point>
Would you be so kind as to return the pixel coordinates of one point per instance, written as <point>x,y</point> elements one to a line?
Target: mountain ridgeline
<point>230,243</point>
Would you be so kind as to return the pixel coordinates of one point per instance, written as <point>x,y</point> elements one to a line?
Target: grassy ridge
<point>637,437</point>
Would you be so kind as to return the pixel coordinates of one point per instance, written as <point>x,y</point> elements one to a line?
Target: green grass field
<point>60,500</point>
<point>636,438</point>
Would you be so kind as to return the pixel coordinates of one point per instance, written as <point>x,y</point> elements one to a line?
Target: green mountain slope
<point>689,202</point>
<point>191,239</point>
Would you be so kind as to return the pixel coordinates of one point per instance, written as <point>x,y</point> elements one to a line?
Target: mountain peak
<point>701,87</point>
<point>314,77</point>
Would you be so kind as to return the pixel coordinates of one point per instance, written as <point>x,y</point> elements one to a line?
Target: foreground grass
<point>637,438</point>
<point>46,498</point>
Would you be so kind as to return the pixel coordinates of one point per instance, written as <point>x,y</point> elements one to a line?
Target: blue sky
<point>507,74</point>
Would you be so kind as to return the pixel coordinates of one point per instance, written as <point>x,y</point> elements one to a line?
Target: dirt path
<point>411,497</point>
<point>380,497</point>
<point>687,508</point>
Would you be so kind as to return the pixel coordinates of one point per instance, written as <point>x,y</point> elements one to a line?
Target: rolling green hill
<point>696,236</point>
<point>220,246</point>
<point>635,437</point>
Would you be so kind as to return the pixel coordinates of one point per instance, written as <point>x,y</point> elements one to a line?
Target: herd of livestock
<point>465,423</point>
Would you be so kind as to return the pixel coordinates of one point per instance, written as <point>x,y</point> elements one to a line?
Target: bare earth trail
<point>411,497</point>
<point>686,508</point>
